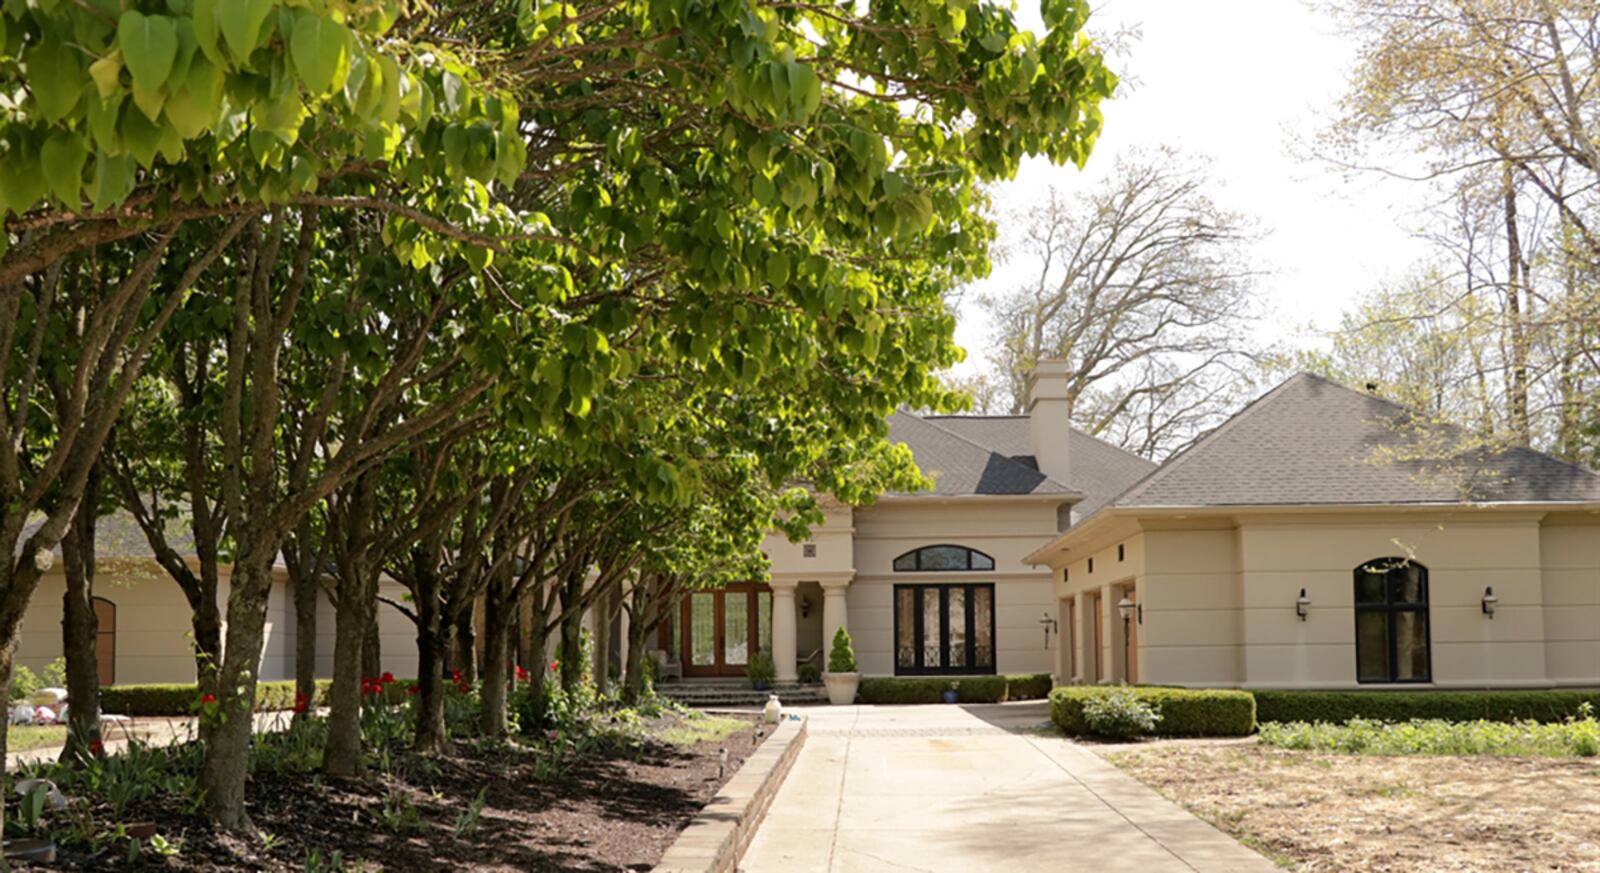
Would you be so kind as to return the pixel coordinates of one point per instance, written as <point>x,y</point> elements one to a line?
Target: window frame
<point>919,635</point>
<point>916,560</point>
<point>1390,609</point>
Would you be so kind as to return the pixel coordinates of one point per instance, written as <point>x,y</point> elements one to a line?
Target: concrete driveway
<point>972,788</point>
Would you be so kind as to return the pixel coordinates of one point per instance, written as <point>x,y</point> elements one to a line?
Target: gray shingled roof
<point>1313,441</point>
<point>1099,469</point>
<point>118,536</point>
<point>961,467</point>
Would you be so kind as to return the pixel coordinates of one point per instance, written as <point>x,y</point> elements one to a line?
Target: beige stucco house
<point>1301,544</point>
<point>1315,540</point>
<point>1311,541</point>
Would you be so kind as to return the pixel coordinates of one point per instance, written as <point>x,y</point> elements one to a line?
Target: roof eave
<point>1094,523</point>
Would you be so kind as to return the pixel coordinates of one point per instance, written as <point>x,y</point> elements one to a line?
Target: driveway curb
<point>717,837</point>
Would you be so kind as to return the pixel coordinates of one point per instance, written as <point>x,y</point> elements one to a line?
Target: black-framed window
<point>943,559</point>
<point>1392,633</point>
<point>944,629</point>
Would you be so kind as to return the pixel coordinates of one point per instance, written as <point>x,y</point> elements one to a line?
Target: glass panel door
<point>983,628</point>
<point>955,615</point>
<point>764,621</point>
<point>931,650</point>
<point>702,637</point>
<point>735,628</point>
<point>905,617</point>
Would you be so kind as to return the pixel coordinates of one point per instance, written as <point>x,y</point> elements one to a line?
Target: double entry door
<point>722,629</point>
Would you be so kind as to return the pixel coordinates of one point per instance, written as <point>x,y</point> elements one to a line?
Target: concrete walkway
<point>972,788</point>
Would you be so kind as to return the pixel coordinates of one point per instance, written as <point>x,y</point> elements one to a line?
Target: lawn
<point>22,737</point>
<point>1320,811</point>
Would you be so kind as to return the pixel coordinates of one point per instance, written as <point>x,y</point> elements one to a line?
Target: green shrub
<point>179,699</point>
<point>1576,737</point>
<point>1028,686</point>
<point>1338,707</point>
<point>972,689</point>
<point>1119,714</point>
<point>843,657</point>
<point>1184,712</point>
<point>809,674</point>
<point>760,670</point>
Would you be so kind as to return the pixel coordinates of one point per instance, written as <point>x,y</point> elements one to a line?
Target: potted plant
<point>761,671</point>
<point>953,693</point>
<point>841,678</point>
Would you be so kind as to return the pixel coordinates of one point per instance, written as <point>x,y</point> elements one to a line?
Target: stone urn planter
<point>841,687</point>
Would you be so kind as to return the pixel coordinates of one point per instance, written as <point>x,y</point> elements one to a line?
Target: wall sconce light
<point>1302,605</point>
<point>805,606</point>
<point>1490,602</point>
<point>1125,606</point>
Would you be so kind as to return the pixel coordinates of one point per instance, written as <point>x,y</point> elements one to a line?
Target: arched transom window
<point>943,559</point>
<point>1392,621</point>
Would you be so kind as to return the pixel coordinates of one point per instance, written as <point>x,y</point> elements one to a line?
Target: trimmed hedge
<point>180,699</point>
<point>973,689</point>
<point>1185,712</point>
<point>1338,707</point>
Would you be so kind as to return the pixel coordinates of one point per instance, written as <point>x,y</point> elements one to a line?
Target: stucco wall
<point>153,627</point>
<point>152,623</point>
<point>1218,596</point>
<point>1570,564</point>
<point>1003,530</point>
<point>1464,554</point>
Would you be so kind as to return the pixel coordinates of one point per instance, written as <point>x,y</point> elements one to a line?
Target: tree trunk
<point>227,752</point>
<point>496,644</point>
<point>633,675</point>
<point>351,620</point>
<point>372,645</point>
<point>466,646</point>
<point>80,629</point>
<point>431,660</point>
<point>571,650</point>
<point>1518,388</point>
<point>7,653</point>
<point>602,643</point>
<point>305,640</point>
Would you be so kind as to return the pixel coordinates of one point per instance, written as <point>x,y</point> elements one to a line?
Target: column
<point>1115,669</point>
<point>622,633</point>
<point>783,630</point>
<point>834,615</point>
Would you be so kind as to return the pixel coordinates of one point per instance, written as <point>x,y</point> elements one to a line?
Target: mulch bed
<point>619,810</point>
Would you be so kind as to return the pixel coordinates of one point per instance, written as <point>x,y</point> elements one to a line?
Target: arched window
<point>943,559</point>
<point>1392,621</point>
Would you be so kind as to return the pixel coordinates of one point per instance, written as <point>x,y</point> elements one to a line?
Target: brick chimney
<point>1049,430</point>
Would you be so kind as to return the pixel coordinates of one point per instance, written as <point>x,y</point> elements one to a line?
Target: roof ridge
<point>988,451</point>
<point>1024,416</point>
<point>1178,459</point>
<point>1452,425</point>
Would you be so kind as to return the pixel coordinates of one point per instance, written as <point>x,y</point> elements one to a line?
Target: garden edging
<point>717,837</point>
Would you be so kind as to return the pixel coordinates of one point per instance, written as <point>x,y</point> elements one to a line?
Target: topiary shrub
<point>843,657</point>
<point>1339,707</point>
<point>1119,714</point>
<point>760,671</point>
<point>1184,712</point>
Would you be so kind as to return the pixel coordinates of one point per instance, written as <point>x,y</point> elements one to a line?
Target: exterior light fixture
<point>805,606</point>
<point>1490,602</point>
<point>1125,606</point>
<point>1302,605</point>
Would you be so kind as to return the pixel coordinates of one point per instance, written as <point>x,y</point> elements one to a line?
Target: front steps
<point>702,694</point>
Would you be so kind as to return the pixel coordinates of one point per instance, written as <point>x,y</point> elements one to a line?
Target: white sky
<point>1240,82</point>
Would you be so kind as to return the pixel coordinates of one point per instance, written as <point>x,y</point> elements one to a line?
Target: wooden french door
<point>722,629</point>
<point>1093,602</point>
